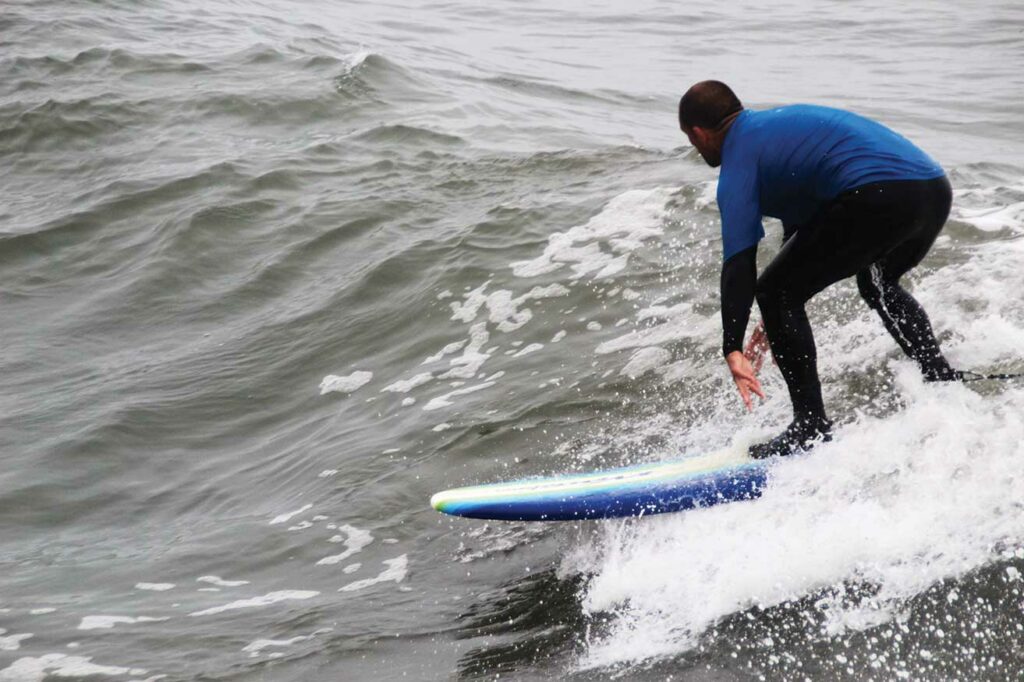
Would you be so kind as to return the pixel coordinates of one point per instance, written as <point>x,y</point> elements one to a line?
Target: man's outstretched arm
<point>739,277</point>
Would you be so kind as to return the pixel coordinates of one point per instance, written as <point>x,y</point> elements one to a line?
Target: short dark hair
<point>707,104</point>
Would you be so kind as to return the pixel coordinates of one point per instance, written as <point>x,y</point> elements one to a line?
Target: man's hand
<point>756,348</point>
<point>745,377</point>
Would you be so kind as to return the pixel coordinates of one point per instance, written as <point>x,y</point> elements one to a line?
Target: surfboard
<point>701,481</point>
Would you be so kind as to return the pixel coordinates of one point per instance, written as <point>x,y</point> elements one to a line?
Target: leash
<point>974,376</point>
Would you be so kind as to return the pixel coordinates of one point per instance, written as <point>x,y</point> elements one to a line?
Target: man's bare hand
<point>745,377</point>
<point>757,347</point>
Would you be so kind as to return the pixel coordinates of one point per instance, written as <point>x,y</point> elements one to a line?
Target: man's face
<point>704,141</point>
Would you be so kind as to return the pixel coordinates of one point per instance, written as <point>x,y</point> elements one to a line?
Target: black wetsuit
<point>877,232</point>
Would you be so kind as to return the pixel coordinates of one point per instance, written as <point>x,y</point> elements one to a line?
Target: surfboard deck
<point>701,481</point>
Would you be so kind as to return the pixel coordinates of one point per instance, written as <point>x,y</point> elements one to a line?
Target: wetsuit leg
<point>901,314</point>
<point>805,265</point>
<point>859,228</point>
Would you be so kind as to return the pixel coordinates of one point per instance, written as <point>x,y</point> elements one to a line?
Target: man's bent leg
<point>902,315</point>
<point>792,343</point>
<point>807,263</point>
<point>906,321</point>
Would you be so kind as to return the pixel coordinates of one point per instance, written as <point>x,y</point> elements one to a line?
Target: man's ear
<point>702,134</point>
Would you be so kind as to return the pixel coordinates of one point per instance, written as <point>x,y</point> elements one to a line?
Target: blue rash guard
<point>787,162</point>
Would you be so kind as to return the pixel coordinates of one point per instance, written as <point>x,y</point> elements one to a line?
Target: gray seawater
<point>272,273</point>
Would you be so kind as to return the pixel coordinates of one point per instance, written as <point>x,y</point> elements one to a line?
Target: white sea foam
<point>220,582</point>
<point>981,208</point>
<point>991,219</point>
<point>287,516</point>
<point>327,473</point>
<point>396,571</point>
<point>42,611</point>
<point>256,647</point>
<point>901,517</point>
<point>680,370</point>
<point>676,322</point>
<point>646,360</point>
<point>559,335</point>
<point>472,359</point>
<point>630,294</point>
<point>503,309</point>
<point>447,350</point>
<point>602,245</point>
<point>12,642</point>
<point>108,622</point>
<point>265,600</point>
<point>981,300</point>
<point>446,399</point>
<point>532,348</point>
<point>900,503</point>
<point>332,383</point>
<point>37,669</point>
<point>354,60</point>
<point>154,587</point>
<point>708,196</point>
<point>407,385</point>
<point>355,540</point>
<point>351,568</point>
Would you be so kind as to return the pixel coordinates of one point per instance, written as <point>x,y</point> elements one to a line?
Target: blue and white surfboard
<point>703,481</point>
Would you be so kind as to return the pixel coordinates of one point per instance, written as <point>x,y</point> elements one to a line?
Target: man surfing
<point>854,198</point>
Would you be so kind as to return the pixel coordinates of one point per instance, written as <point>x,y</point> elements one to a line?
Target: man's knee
<point>772,297</point>
<point>869,284</point>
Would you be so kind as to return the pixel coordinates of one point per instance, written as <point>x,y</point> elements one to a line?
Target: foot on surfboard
<point>801,435</point>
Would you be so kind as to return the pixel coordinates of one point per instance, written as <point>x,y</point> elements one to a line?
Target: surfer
<point>854,198</point>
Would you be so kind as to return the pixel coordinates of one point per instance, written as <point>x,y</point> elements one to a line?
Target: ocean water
<point>272,273</point>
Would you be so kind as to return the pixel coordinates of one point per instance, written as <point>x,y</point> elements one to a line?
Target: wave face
<point>274,274</point>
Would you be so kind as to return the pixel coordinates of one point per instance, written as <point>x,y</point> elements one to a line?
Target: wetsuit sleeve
<point>739,277</point>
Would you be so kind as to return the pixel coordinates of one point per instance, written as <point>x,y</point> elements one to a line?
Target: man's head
<point>705,113</point>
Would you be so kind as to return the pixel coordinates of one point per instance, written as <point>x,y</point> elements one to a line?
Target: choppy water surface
<point>273,273</point>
